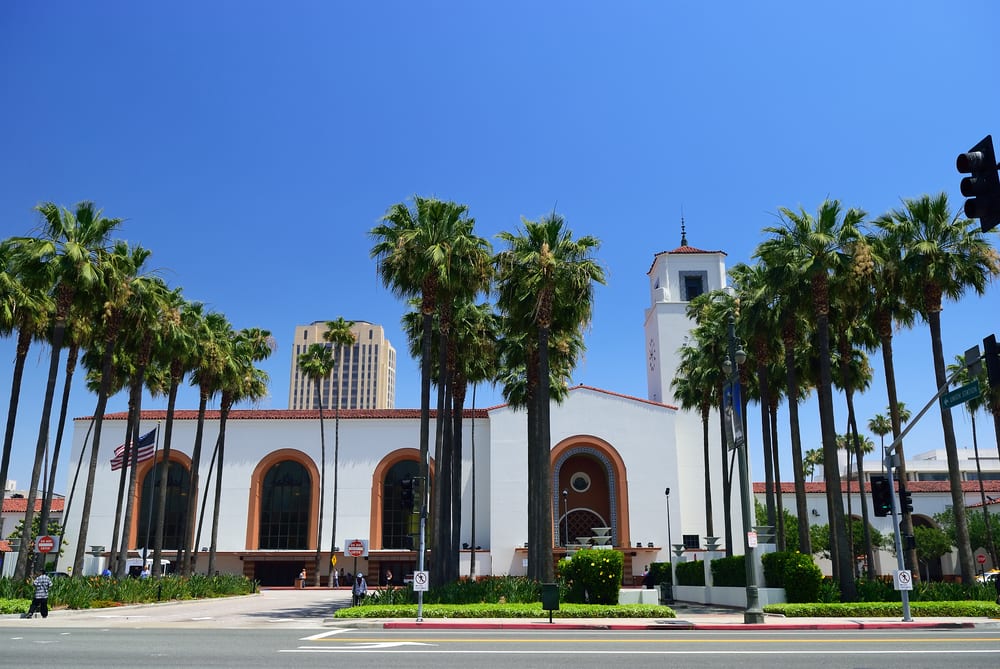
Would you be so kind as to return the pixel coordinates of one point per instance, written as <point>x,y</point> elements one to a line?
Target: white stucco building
<point>614,456</point>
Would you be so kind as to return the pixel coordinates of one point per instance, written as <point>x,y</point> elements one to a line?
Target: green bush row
<point>690,573</point>
<point>503,610</point>
<point>886,609</point>
<point>83,591</point>
<point>729,572</point>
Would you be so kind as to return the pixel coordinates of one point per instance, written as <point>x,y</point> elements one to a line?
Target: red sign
<point>355,548</point>
<point>981,559</point>
<point>45,544</point>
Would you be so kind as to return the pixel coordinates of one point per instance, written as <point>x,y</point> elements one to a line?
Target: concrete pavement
<point>313,608</point>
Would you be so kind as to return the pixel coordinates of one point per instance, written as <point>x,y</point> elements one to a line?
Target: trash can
<point>666,594</point>
<point>300,583</point>
<point>550,598</point>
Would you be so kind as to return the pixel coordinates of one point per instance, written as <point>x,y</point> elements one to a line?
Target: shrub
<point>774,567</point>
<point>730,571</point>
<point>661,572</point>
<point>593,576</point>
<point>802,578</point>
<point>691,573</point>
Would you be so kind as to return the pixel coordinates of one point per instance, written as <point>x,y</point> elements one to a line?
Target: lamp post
<point>670,542</point>
<point>565,517</point>
<point>733,406</point>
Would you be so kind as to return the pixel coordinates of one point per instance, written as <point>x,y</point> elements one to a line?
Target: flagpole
<point>152,478</point>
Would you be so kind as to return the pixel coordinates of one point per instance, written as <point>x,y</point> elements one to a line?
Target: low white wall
<point>727,596</point>
<point>637,596</point>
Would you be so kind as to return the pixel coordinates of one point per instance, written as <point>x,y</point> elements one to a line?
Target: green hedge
<point>502,610</point>
<point>661,572</point>
<point>886,609</point>
<point>690,573</point>
<point>729,572</point>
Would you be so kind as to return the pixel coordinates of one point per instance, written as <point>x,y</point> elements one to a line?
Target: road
<point>280,629</point>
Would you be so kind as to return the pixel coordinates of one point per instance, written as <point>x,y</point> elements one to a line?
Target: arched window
<point>284,507</point>
<point>175,515</point>
<point>399,525</point>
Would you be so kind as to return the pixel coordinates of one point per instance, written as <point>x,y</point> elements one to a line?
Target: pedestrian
<point>336,578</point>
<point>388,577</point>
<point>359,590</point>
<point>40,603</point>
<point>343,577</point>
<point>106,573</point>
<point>647,578</point>
<point>145,572</point>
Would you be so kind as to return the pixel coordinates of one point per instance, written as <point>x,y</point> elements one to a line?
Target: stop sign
<point>981,559</point>
<point>45,544</point>
<point>355,548</point>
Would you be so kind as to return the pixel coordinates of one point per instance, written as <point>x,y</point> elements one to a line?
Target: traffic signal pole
<point>899,542</point>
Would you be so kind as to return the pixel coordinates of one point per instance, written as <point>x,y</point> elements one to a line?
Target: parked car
<point>989,577</point>
<point>57,574</point>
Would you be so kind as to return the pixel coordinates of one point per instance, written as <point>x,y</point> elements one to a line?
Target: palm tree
<point>815,250</point>
<point>177,350</point>
<point>880,426</point>
<point>546,283</point>
<point>316,364</point>
<point>26,311</point>
<point>339,333</point>
<point>65,257</point>
<point>943,257</point>
<point>960,375</point>
<point>813,458</point>
<point>239,381</point>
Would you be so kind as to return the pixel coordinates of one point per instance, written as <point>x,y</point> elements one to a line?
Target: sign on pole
<point>357,547</point>
<point>961,395</point>
<point>47,544</point>
<point>902,579</point>
<point>421,581</point>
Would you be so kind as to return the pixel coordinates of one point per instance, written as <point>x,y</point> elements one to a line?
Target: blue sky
<point>252,146</point>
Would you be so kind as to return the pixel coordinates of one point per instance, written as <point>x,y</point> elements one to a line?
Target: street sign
<point>45,544</point>
<point>356,548</point>
<point>421,581</point>
<point>981,558</point>
<point>960,395</point>
<point>333,560</point>
<point>902,580</point>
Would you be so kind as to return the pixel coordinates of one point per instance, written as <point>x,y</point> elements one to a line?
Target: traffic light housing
<point>982,187</point>
<point>905,499</point>
<point>991,354</point>
<point>406,494</point>
<point>881,496</point>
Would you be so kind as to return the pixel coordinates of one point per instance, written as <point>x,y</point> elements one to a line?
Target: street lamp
<point>733,407</point>
<point>670,542</point>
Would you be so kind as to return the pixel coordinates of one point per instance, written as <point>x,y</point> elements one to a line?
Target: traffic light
<point>991,353</point>
<point>983,186</point>
<point>406,493</point>
<point>905,499</point>
<point>881,496</point>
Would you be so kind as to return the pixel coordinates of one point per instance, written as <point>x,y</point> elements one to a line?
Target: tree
<point>316,364</point>
<point>812,459</point>
<point>815,248</point>
<point>66,259</point>
<point>546,284</point>
<point>943,256</point>
<point>932,544</point>
<point>339,333</point>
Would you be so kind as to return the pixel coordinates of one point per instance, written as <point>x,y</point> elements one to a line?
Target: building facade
<point>364,376</point>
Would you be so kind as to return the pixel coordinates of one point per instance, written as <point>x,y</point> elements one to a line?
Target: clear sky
<point>252,145</point>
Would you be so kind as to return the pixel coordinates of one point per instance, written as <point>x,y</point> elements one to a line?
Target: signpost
<point>960,395</point>
<point>356,548</point>
<point>46,544</point>
<point>421,581</point>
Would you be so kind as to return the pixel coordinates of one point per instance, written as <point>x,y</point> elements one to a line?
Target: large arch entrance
<point>592,474</point>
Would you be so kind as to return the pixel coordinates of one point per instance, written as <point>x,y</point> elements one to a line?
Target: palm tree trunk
<point>860,468</point>
<point>192,516</point>
<point>224,409</point>
<point>336,466</point>
<point>792,391</point>
<point>58,334</point>
<point>772,411</point>
<point>765,439</point>
<point>727,482</point>
<point>458,400</point>
<point>164,473</point>
<point>23,342</point>
<point>425,419</point>
<point>472,480</point>
<point>317,564</point>
<point>951,450</point>
<point>116,568</point>
<point>707,466</point>
<point>204,501</point>
<point>541,542</point>
<point>442,475</point>
<point>134,459</point>
<point>102,402</point>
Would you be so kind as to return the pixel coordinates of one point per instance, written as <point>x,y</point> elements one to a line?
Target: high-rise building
<point>363,376</point>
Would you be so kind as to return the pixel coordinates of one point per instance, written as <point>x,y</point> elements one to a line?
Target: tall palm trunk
<point>727,481</point>
<point>23,342</point>
<point>772,411</point>
<point>799,477</point>
<point>540,541</point>
<point>425,416</point>
<point>862,496</point>
<point>137,384</point>
<point>317,561</point>
<point>58,334</point>
<point>884,322</point>
<point>707,467</point>
<point>225,406</point>
<point>164,471</point>
<point>117,565</point>
<point>458,404</point>
<point>104,389</point>
<point>71,358</point>
<point>336,466</point>
<point>765,435</point>
<point>192,517</point>
<point>441,499</point>
<point>951,450</point>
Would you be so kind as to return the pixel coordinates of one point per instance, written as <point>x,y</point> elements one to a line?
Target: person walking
<point>40,603</point>
<point>359,590</point>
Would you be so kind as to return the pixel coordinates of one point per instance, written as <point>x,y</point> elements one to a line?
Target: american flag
<point>147,447</point>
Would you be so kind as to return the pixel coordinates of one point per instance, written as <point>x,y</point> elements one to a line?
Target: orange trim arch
<point>140,473</point>
<point>378,476</point>
<point>257,482</point>
<point>618,472</point>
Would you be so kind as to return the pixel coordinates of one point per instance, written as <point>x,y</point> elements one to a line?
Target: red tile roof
<point>289,414</point>
<point>819,487</point>
<point>5,546</point>
<point>20,504</point>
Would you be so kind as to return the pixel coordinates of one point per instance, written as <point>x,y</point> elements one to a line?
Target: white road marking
<point>323,635</point>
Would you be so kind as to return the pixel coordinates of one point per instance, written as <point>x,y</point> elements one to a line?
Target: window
<point>691,541</point>
<point>692,284</point>
<point>175,514</point>
<point>399,526</point>
<point>284,507</point>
